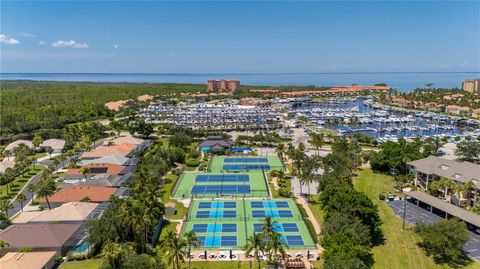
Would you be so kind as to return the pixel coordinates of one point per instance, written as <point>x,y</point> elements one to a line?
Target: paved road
<point>419,214</point>
<point>34,180</point>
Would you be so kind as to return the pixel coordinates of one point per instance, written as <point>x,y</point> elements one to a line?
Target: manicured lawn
<point>167,193</point>
<point>85,264</point>
<point>168,226</point>
<point>401,250</point>
<point>19,182</point>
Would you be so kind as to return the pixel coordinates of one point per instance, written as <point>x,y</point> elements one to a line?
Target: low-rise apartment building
<point>434,168</point>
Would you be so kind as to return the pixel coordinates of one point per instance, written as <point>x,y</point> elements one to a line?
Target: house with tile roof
<point>72,212</point>
<point>95,194</point>
<point>28,260</point>
<point>42,236</point>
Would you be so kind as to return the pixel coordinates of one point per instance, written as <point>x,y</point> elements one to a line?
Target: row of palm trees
<point>450,188</point>
<point>303,166</point>
<point>267,243</point>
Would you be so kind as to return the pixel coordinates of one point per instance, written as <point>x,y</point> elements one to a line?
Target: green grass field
<point>181,210</point>
<point>187,181</point>
<point>19,182</point>
<point>85,264</point>
<point>216,165</point>
<point>245,221</point>
<point>401,250</point>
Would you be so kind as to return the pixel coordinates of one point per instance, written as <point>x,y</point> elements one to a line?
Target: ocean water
<point>404,81</point>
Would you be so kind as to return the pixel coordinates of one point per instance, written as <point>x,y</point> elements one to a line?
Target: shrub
<point>192,162</point>
<point>381,196</point>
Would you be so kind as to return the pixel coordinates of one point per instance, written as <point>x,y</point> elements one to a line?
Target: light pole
<point>404,210</point>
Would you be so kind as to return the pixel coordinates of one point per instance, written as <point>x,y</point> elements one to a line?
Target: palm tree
<point>255,244</point>
<point>192,241</point>
<point>469,187</point>
<point>280,150</point>
<point>21,198</point>
<point>173,248</point>
<point>5,205</point>
<point>113,253</point>
<point>3,244</point>
<point>85,171</point>
<point>46,188</point>
<point>7,153</point>
<point>317,140</point>
<point>268,226</point>
<point>276,244</point>
<point>31,188</point>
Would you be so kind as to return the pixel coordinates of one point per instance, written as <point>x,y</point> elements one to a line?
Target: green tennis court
<point>226,224</point>
<point>206,185</point>
<point>240,164</point>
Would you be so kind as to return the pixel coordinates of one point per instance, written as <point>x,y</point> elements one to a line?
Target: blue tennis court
<point>216,214</point>
<point>279,227</point>
<point>293,240</point>
<point>220,189</point>
<point>222,178</point>
<point>215,228</point>
<point>269,204</point>
<point>272,213</point>
<point>245,160</point>
<point>244,167</point>
<point>217,204</point>
<point>217,240</point>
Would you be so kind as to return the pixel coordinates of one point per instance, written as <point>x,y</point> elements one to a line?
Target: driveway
<point>419,214</point>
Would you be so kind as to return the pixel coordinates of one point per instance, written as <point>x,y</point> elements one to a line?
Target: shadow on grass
<point>454,262</point>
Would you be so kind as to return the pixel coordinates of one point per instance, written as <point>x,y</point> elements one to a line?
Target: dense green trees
<point>394,155</point>
<point>444,240</point>
<point>351,220</point>
<point>25,111</point>
<point>468,150</point>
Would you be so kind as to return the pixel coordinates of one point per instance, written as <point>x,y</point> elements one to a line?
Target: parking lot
<point>419,214</point>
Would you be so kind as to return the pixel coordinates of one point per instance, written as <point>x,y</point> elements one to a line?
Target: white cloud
<point>28,35</point>
<point>8,40</point>
<point>464,63</point>
<point>115,46</point>
<point>172,53</point>
<point>70,44</point>
<point>42,43</point>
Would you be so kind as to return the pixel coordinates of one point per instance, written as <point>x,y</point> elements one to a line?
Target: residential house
<point>16,143</point>
<point>476,113</point>
<point>56,144</point>
<point>72,212</point>
<point>95,194</point>
<point>28,260</point>
<point>119,160</point>
<point>434,168</point>
<point>457,110</point>
<point>124,150</point>
<point>42,236</point>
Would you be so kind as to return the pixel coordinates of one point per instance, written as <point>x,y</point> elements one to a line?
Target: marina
<point>360,115</point>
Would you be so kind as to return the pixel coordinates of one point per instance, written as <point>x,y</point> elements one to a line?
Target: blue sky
<point>241,37</point>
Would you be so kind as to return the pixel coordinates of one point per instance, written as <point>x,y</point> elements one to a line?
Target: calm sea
<point>399,80</point>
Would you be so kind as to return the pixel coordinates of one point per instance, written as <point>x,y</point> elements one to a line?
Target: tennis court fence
<point>188,195</point>
<point>243,167</point>
<point>240,218</point>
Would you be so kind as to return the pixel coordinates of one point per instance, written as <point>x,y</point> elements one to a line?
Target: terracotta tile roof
<point>73,211</point>
<point>144,97</point>
<point>77,193</point>
<point>115,150</point>
<point>27,260</point>
<point>98,168</point>
<point>455,107</point>
<point>38,235</point>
